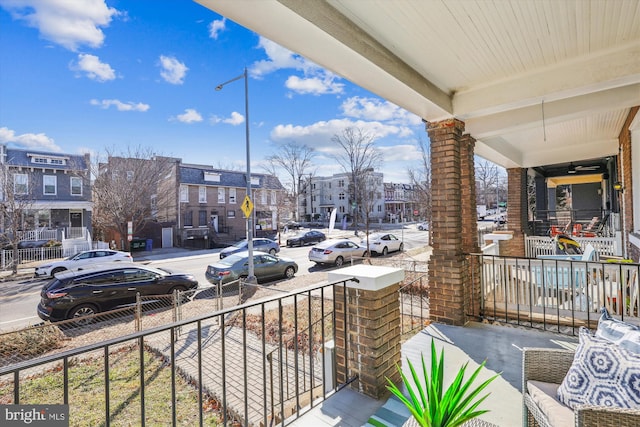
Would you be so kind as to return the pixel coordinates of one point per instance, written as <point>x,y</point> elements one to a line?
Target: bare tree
<point>358,158</point>
<point>16,207</point>
<point>124,188</point>
<point>420,178</point>
<point>295,160</point>
<point>487,176</point>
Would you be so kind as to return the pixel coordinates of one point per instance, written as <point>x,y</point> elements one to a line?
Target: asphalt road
<point>18,310</point>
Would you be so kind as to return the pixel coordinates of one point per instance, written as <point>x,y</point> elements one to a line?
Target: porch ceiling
<point>536,82</point>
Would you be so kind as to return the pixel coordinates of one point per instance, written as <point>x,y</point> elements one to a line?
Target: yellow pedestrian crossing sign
<point>247,206</point>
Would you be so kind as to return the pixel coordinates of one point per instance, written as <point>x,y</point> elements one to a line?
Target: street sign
<point>247,206</point>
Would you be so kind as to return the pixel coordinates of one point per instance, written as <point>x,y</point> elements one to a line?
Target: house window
<point>263,197</point>
<point>20,183</point>
<point>202,218</point>
<point>232,195</point>
<point>231,214</point>
<point>129,175</point>
<point>341,196</point>
<point>188,219</point>
<point>76,186</point>
<point>202,194</point>
<point>274,197</point>
<point>184,194</point>
<point>212,176</point>
<point>49,185</point>
<point>341,209</point>
<point>154,204</point>
<point>221,195</point>
<point>341,183</point>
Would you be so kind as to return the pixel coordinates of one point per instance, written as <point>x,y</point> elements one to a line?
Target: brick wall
<point>625,169</point>
<point>517,212</point>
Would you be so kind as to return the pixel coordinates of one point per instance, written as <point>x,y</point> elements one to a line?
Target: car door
<point>352,249</point>
<point>394,243</point>
<point>261,245</point>
<point>266,266</point>
<point>143,281</point>
<point>104,289</point>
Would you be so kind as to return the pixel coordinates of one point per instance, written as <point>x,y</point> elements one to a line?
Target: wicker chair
<point>551,366</point>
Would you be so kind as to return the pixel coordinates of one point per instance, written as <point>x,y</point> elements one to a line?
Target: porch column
<point>371,348</point>
<point>517,218</point>
<point>447,262</point>
<point>470,244</point>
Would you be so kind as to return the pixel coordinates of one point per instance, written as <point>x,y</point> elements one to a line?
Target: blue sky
<point>89,75</point>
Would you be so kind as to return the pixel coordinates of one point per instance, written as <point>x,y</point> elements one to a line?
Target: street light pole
<point>251,278</point>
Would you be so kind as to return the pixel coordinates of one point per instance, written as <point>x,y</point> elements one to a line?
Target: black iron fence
<point>228,366</point>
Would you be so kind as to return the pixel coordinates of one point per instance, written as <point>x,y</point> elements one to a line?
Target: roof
<point>195,175</point>
<point>21,157</point>
<point>535,82</point>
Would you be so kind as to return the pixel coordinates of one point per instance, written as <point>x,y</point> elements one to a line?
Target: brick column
<point>447,262</point>
<point>517,215</point>
<point>470,244</point>
<point>371,349</point>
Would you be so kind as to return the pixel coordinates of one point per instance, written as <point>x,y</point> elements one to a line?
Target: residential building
<point>205,204</point>
<point>54,189</point>
<point>400,202</point>
<point>321,195</point>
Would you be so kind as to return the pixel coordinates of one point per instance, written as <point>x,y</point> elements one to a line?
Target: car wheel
<point>289,272</point>
<point>272,251</point>
<point>385,251</point>
<point>401,248</point>
<point>57,270</point>
<point>81,313</point>
<point>339,261</point>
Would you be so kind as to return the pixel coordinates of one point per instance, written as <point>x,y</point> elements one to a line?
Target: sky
<point>93,76</point>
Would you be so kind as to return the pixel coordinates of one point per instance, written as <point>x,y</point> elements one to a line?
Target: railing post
<point>367,338</point>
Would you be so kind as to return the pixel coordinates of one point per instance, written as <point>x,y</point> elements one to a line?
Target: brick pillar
<point>470,244</point>
<point>447,262</point>
<point>371,349</point>
<point>517,215</point>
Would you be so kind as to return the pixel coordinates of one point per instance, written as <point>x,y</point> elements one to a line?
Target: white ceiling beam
<point>607,70</point>
<point>554,112</point>
<point>593,149</point>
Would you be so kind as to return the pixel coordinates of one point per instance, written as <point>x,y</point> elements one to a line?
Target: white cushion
<point>602,374</point>
<point>620,333</point>
<point>545,397</point>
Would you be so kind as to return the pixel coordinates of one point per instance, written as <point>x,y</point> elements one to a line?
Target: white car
<point>423,226</point>
<point>82,259</point>
<point>383,243</point>
<point>336,251</point>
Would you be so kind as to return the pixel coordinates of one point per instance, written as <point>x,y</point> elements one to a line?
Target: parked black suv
<point>74,294</point>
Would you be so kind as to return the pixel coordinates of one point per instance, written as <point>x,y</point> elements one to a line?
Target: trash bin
<point>149,245</point>
<point>137,245</point>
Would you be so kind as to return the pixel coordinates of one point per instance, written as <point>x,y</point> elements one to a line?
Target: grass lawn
<point>87,391</point>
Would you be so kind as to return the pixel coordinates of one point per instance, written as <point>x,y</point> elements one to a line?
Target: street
<point>19,310</point>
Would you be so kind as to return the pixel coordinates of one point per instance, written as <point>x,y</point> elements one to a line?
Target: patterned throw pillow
<point>623,334</point>
<point>602,374</point>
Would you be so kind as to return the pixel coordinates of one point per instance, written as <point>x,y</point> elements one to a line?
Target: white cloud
<point>95,70</point>
<point>216,27</point>
<point>377,109</point>
<point>315,80</point>
<point>37,141</point>
<point>235,119</point>
<point>173,71</point>
<point>314,85</point>
<point>120,106</point>
<point>68,23</point>
<point>189,116</point>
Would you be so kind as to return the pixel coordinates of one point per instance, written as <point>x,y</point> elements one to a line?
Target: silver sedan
<point>335,251</point>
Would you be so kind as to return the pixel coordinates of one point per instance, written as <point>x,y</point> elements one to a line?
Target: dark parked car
<point>236,266</point>
<point>262,245</point>
<point>306,238</point>
<point>74,294</point>
<point>291,225</point>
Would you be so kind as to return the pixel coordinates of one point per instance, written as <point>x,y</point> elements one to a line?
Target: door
<point>75,218</point>
<point>167,237</point>
<point>214,222</point>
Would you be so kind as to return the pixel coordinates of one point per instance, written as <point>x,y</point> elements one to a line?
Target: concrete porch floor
<point>500,345</point>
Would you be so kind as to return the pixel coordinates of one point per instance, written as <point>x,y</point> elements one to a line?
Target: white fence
<point>28,255</point>
<point>544,245</point>
<point>553,289</point>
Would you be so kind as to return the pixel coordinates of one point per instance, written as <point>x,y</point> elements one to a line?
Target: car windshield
<point>240,244</point>
<point>230,260</point>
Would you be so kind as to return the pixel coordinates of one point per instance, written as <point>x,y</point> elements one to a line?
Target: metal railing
<point>221,357</point>
<point>414,305</point>
<point>556,294</point>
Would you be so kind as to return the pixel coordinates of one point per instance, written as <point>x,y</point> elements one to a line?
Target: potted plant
<point>430,404</point>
